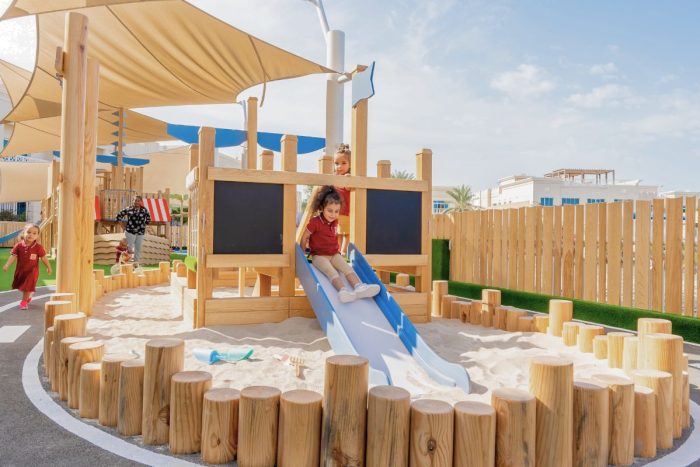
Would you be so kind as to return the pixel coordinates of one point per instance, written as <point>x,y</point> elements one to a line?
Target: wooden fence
<point>642,254</point>
<point>8,227</point>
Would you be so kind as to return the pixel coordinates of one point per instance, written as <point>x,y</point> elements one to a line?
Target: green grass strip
<point>600,313</point>
<point>191,263</point>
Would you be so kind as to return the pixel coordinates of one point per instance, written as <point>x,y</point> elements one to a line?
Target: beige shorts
<point>331,265</point>
<point>343,225</point>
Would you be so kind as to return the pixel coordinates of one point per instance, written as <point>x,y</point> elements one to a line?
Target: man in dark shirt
<point>137,218</point>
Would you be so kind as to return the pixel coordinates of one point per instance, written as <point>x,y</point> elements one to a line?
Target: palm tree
<point>403,174</point>
<point>463,197</point>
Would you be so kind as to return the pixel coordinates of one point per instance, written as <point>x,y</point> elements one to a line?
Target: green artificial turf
<point>601,313</point>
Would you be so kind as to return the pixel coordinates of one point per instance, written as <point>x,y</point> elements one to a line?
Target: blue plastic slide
<point>376,329</point>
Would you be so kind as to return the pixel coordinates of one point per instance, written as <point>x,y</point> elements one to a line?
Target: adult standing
<point>137,218</point>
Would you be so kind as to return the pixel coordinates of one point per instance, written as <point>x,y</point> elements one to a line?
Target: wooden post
<point>661,383</point>
<point>67,325</point>
<point>258,425</point>
<point>512,317</point>
<point>358,167</point>
<point>86,296</point>
<point>48,340</point>
<point>130,397</point>
<point>432,431</point>
<point>252,134</point>
<point>439,291</point>
<point>325,164</point>
<point>109,387</point>
<point>119,168</point>
<point>187,390</point>
<point>424,171</point>
<point>205,207</point>
<point>79,354</point>
<point>569,333</point>
<point>515,427</point>
<point>644,422</point>
<point>591,423</point>
<point>446,304</point>
<point>475,435</point>
<point>267,160</point>
<point>63,374</point>
<point>164,357</point>
<point>289,164</point>
<point>501,318</point>
<point>54,308</point>
<point>586,333</point>
<point>72,152</point>
<point>388,423</point>
<point>181,270</point>
<point>474,312</point>
<point>685,419</point>
<point>164,267</point>
<point>402,280</point>
<point>299,439</point>
<point>616,345</point>
<point>345,409</point>
<point>560,311</point>
<point>65,296</point>
<point>600,347</point>
<point>629,355</point>
<point>650,326</point>
<point>621,418</point>
<point>525,324</point>
<point>384,171</point>
<point>541,323</point>
<point>89,403</point>
<point>464,310</point>
<point>220,425</point>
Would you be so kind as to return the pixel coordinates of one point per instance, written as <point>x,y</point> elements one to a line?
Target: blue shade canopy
<point>135,161</point>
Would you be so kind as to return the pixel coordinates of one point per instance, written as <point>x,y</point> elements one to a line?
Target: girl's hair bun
<point>343,149</point>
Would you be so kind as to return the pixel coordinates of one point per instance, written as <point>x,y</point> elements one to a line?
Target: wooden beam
<point>424,172</point>
<point>205,225</point>
<point>378,261</point>
<point>251,261</point>
<point>252,132</point>
<point>289,165</point>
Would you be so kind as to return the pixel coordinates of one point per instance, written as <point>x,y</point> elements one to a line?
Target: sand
<point>125,320</point>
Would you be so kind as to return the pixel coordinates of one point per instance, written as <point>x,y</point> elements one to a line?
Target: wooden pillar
<point>220,425</point>
<point>63,374</point>
<point>89,403</point>
<point>345,409</point>
<point>560,311</point>
<point>384,171</point>
<point>439,291</point>
<point>464,309</point>
<point>525,324</point>
<point>629,355</point>
<point>388,423</point>
<point>68,325</point>
<point>515,427</point>
<point>325,164</point>
<point>591,423</point>
<point>48,341</point>
<point>475,435</point>
<point>252,133</point>
<point>512,317</point>
<point>358,167</point>
<point>205,212</point>
<point>540,323</point>
<point>192,214</point>
<point>446,303</point>
<point>621,418</point>
<point>289,164</point>
<point>661,383</point>
<point>109,387</point>
<point>644,422</point>
<point>74,70</point>
<point>474,312</point>
<point>79,354</point>
<point>164,358</point>
<point>54,308</point>
<point>650,326</point>
<point>164,267</point>
<point>616,345</point>
<point>130,398</point>
<point>432,431</point>
<point>600,347</point>
<point>86,296</point>
<point>424,171</point>
<point>569,333</point>
<point>267,160</point>
<point>299,441</point>
<point>187,390</point>
<point>257,426</point>
<point>119,168</point>
<point>586,333</point>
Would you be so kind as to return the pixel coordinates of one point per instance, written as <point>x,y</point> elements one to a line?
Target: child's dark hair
<point>326,195</point>
<point>343,149</point>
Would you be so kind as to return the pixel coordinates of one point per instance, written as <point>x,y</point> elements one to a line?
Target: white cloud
<point>603,69</point>
<point>527,81</point>
<point>609,95</point>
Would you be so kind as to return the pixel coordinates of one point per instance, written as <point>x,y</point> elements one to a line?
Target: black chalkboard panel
<point>393,222</point>
<point>247,218</point>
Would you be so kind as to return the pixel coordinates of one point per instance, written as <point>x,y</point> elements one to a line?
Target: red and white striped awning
<point>158,209</point>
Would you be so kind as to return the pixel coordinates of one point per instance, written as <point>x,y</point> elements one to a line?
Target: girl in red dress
<point>27,254</point>
<point>342,167</point>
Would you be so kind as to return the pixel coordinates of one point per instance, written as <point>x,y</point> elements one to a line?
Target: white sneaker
<point>346,295</point>
<point>366,290</point>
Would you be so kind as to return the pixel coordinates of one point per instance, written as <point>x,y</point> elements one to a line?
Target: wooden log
<point>62,371</point>
<point>686,401</point>
<point>551,382</point>
<point>164,267</point>
<point>127,271</point>
<point>258,426</point>
<point>109,387</point>
<point>432,428</point>
<point>629,355</point>
<point>491,296</point>
<point>487,314</point>
<point>650,326</point>
<point>187,390</point>
<point>98,274</point>
<point>586,333</point>
<point>445,305</point>
<point>600,347</point>
<point>152,276</point>
<point>164,357</point>
<point>525,324</point>
<point>560,311</point>
<point>661,382</point>
<point>439,291</point>
<point>664,352</point>
<point>644,422</point>
<point>118,281</point>
<point>591,423</point>
<point>569,333</point>
<point>464,309</point>
<point>616,345</point>
<point>403,280</point>
<point>515,427</point>
<point>54,308</point>
<point>130,397</point>
<point>475,435</point>
<point>89,399</point>
<point>475,313</point>
<point>191,279</point>
<point>500,318</point>
<point>220,425</point>
<point>344,409</point>
<point>621,418</point>
<point>107,284</point>
<point>512,317</point>
<point>299,438</point>
<point>454,310</point>
<point>142,280</point>
<point>48,340</point>
<point>541,323</point>
<point>79,354</point>
<point>181,270</point>
<point>65,297</point>
<point>388,426</point>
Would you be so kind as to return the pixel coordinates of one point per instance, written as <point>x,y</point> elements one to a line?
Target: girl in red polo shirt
<point>27,254</point>
<point>342,167</point>
<point>321,238</point>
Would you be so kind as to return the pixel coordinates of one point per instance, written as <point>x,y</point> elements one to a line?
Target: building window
<point>595,200</point>
<point>565,201</point>
<point>439,206</point>
<point>546,201</point>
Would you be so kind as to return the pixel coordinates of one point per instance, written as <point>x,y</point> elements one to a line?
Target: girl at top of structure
<point>321,238</point>
<point>341,161</point>
<point>27,254</point>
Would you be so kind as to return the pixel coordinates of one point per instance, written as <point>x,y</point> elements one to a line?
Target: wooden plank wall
<point>641,254</point>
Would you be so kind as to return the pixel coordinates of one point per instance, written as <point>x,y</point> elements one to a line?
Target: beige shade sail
<point>19,8</point>
<point>23,181</point>
<point>15,79</point>
<point>156,53</point>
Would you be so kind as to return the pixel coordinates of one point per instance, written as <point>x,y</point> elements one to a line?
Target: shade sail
<point>15,79</point>
<point>19,8</point>
<point>23,181</point>
<point>156,53</point>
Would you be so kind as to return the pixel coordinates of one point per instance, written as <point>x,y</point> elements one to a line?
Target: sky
<point>493,87</point>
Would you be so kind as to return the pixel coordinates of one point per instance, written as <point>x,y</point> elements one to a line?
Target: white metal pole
<point>335,60</point>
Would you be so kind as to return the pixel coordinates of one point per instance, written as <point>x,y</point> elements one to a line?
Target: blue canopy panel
<point>226,137</point>
<point>135,161</point>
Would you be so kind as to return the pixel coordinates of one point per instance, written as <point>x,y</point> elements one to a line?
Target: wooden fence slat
<point>547,249</point>
<point>538,249</point>
<point>521,248</point>
<point>657,252</point>
<point>590,253</point>
<point>497,243</point>
<point>489,246</point>
<point>512,248</point>
<point>673,263</point>
<point>689,257</point>
<point>578,253</point>
<point>529,261</point>
<point>483,223</point>
<point>568,252</point>
<point>458,244</point>
<point>641,263</point>
<point>556,249</point>
<point>602,252</point>
<point>627,249</point>
<point>504,248</point>
<point>614,252</point>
